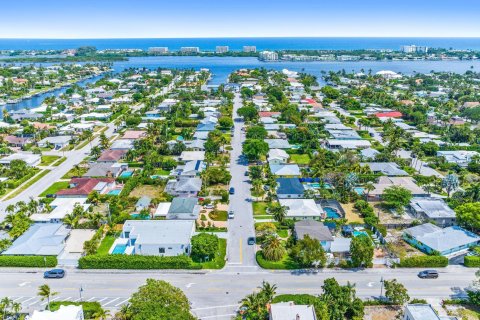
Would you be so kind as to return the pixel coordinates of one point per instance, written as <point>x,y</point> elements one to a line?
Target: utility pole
<point>81,290</point>
<point>381,287</point>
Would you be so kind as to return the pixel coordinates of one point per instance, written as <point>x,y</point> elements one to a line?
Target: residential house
<point>289,188</point>
<point>155,237</point>
<point>143,203</point>
<point>433,209</point>
<point>278,156</point>
<point>285,170</point>
<point>290,311</point>
<point>60,208</point>
<point>134,134</point>
<point>315,230</point>
<point>447,241</point>
<point>82,187</point>
<point>183,209</point>
<point>64,312</point>
<point>32,160</point>
<point>58,142</point>
<point>192,156</point>
<point>336,144</point>
<point>187,187</point>
<point>122,144</point>
<point>462,158</point>
<point>41,239</point>
<point>106,170</point>
<point>387,168</point>
<point>423,312</point>
<point>195,145</point>
<point>191,169</point>
<point>385,182</point>
<point>278,144</point>
<point>302,208</point>
<point>18,142</point>
<point>162,210</point>
<point>111,156</point>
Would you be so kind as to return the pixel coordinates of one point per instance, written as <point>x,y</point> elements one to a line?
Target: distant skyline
<point>73,19</point>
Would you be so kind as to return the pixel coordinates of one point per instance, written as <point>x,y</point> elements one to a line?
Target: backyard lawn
<point>57,186</point>
<point>106,244</point>
<point>302,159</point>
<point>260,208</point>
<point>218,215</point>
<point>48,160</point>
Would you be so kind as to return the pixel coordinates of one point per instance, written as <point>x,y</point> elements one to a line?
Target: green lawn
<point>75,173</point>
<point>161,172</point>
<point>48,160</point>
<point>57,186</point>
<point>218,215</point>
<point>24,186</point>
<point>303,159</point>
<point>219,261</point>
<point>106,244</point>
<point>285,264</point>
<point>59,162</point>
<point>260,208</point>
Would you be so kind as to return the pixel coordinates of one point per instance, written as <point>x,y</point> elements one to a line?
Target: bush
<point>423,262</point>
<point>135,262</point>
<point>472,261</point>
<point>89,308</point>
<point>204,245</point>
<point>28,261</point>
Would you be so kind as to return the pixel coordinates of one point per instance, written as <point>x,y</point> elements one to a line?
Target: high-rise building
<point>249,49</point>
<point>190,49</point>
<point>158,50</point>
<point>268,56</point>
<point>222,49</point>
<point>414,49</point>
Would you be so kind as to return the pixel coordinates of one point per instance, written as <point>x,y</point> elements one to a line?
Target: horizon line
<point>247,37</point>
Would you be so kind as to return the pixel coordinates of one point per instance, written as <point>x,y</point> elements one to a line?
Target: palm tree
<point>369,187</point>
<point>101,314</point>
<point>71,220</point>
<point>450,183</point>
<point>473,191</point>
<point>279,212</point>
<point>16,308</point>
<point>5,303</point>
<point>124,313</point>
<point>268,290</point>
<point>45,292</point>
<point>273,249</point>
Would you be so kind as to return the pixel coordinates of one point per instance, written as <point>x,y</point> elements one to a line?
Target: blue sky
<point>241,18</point>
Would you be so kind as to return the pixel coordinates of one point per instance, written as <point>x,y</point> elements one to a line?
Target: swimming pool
<point>359,190</point>
<point>137,216</point>
<point>332,213</point>
<point>119,249</point>
<point>115,192</point>
<point>126,174</point>
<point>316,185</point>
<point>357,233</point>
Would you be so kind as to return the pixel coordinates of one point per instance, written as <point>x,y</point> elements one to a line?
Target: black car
<point>55,273</point>
<point>428,274</point>
<point>232,190</point>
<point>251,241</point>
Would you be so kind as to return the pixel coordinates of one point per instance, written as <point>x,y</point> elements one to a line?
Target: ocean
<point>237,43</point>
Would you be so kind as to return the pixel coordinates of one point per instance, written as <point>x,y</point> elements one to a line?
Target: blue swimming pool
<point>115,192</point>
<point>359,233</point>
<point>119,249</point>
<point>126,174</point>
<point>332,213</point>
<point>359,190</point>
<point>137,216</point>
<point>316,185</point>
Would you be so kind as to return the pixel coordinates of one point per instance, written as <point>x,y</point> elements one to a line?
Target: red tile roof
<point>133,134</point>
<point>112,155</point>
<point>391,114</point>
<point>83,186</point>
<point>262,114</point>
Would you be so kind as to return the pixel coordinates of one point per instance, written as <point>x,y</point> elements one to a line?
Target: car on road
<point>251,241</point>
<point>231,190</point>
<point>428,274</point>
<point>54,274</point>
<point>246,173</point>
<point>231,214</point>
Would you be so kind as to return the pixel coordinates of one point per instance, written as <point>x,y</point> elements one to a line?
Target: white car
<point>231,215</point>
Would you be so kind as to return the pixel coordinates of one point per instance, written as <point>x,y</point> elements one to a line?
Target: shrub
<point>423,262</point>
<point>472,261</point>
<point>89,308</point>
<point>204,245</point>
<point>28,261</point>
<point>135,262</point>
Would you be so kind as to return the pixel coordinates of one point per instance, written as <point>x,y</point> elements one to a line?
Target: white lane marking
<point>23,284</point>
<point>16,299</point>
<point>215,307</point>
<point>67,299</point>
<point>110,302</point>
<point>189,285</point>
<point>28,299</point>
<point>90,299</point>
<point>120,303</point>
<point>35,302</point>
<point>370,284</point>
<point>102,299</point>
<point>51,300</point>
<point>76,300</point>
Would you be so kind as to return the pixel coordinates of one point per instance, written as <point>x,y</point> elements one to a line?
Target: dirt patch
<point>147,190</point>
<point>381,312</point>
<point>351,214</point>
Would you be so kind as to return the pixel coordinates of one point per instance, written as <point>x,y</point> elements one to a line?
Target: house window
<point>161,250</point>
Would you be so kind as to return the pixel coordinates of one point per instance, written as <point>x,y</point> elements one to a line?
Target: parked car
<point>428,274</point>
<point>231,190</point>
<point>251,241</point>
<point>54,274</point>
<point>231,214</point>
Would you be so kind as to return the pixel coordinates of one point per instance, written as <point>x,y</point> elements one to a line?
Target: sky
<point>68,19</point>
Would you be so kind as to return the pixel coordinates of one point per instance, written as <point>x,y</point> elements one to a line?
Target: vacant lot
<point>301,159</point>
<point>259,208</point>
<point>147,190</point>
<point>381,312</point>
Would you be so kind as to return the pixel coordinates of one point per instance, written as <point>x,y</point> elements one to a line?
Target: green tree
<point>273,249</point>
<point>468,215</point>
<point>45,293</point>
<point>278,212</point>
<point>256,132</point>
<point>158,299</point>
<point>248,113</point>
<point>204,246</point>
<point>396,197</point>
<point>341,301</point>
<point>450,183</point>
<point>361,251</point>
<point>254,149</point>
<point>308,252</point>
<point>396,292</point>
<point>225,122</point>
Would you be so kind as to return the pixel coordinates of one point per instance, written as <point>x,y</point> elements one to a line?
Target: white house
<point>278,156</point>
<point>301,208</point>
<point>30,159</point>
<point>69,312</point>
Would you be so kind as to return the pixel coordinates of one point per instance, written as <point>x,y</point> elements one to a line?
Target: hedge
<point>89,308</point>
<point>423,262</point>
<point>28,261</point>
<point>472,261</point>
<point>120,261</point>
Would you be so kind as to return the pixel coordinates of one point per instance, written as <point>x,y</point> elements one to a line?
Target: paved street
<point>215,295</point>
<point>241,256</point>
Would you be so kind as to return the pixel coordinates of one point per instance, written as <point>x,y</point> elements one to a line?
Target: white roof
<point>285,169</point>
<point>349,144</point>
<point>301,207</point>
<point>277,154</point>
<point>63,313</point>
<point>192,155</point>
<point>61,207</point>
<point>290,311</point>
<point>160,231</point>
<point>162,209</point>
<point>29,158</point>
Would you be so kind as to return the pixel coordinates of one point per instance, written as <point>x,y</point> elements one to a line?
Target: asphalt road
<point>74,157</point>
<point>241,256</point>
<point>215,295</point>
